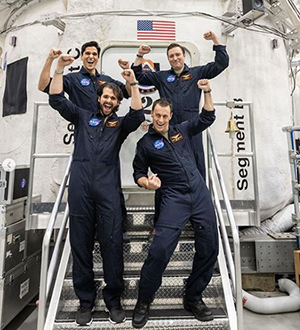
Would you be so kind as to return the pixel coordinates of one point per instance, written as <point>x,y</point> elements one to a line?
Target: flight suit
<point>184,197</point>
<point>82,88</point>
<point>94,196</point>
<point>184,93</point>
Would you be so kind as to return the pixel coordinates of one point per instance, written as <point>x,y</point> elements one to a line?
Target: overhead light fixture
<point>53,19</point>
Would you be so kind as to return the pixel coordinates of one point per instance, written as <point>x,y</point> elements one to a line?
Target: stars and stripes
<point>156,30</point>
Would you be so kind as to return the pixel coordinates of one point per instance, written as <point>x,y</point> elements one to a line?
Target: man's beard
<point>113,109</point>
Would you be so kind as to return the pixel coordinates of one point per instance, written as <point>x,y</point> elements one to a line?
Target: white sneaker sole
<point>110,320</point>
<point>84,325</point>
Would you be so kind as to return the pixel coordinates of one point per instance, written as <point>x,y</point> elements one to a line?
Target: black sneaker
<point>84,316</point>
<point>141,314</point>
<point>116,314</point>
<point>199,309</point>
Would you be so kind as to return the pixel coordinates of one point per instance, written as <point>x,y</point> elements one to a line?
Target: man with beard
<point>82,86</point>
<point>94,189</point>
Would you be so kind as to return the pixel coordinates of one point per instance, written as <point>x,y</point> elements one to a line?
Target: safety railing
<point>233,264</point>
<point>294,157</point>
<point>48,267</point>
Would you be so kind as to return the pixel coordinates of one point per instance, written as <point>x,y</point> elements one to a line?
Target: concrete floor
<point>252,321</point>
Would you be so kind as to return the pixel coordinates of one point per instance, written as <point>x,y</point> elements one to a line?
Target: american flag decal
<point>156,30</point>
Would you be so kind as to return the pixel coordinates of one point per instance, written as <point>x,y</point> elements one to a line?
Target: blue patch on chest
<point>171,78</point>
<point>85,82</point>
<point>94,122</point>
<point>159,144</point>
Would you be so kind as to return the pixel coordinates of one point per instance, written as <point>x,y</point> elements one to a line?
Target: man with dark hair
<point>179,84</point>
<point>167,151</point>
<point>81,86</point>
<point>174,45</point>
<point>94,189</point>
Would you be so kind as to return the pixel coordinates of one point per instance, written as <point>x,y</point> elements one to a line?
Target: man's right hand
<point>54,53</point>
<point>64,60</point>
<point>144,49</point>
<point>153,182</point>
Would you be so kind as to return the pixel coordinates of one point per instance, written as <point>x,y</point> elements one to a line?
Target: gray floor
<point>252,321</point>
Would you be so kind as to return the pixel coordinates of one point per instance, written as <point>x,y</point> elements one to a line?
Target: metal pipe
<point>254,165</point>
<point>31,164</point>
<point>51,155</point>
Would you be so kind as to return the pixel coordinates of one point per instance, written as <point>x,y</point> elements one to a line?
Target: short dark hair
<point>115,88</point>
<point>90,44</point>
<point>163,103</point>
<point>174,45</point>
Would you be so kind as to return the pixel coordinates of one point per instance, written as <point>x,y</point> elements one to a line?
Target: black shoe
<point>116,314</point>
<point>84,316</point>
<point>199,309</point>
<point>141,313</point>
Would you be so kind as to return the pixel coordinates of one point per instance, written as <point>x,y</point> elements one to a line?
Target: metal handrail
<point>34,156</point>
<point>47,272</point>
<point>235,273</point>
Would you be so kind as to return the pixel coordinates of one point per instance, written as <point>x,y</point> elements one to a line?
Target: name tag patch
<point>112,123</point>
<point>159,144</point>
<point>186,77</point>
<point>175,138</point>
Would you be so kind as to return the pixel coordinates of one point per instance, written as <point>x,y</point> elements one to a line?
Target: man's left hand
<point>124,64</point>
<point>203,84</point>
<point>128,75</point>
<point>210,35</point>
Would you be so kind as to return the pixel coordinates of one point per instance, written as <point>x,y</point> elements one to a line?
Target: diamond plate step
<point>153,324</point>
<point>140,221</point>
<point>169,294</point>
<point>136,252</point>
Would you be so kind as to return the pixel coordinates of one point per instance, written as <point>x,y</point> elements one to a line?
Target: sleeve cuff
<point>207,112</point>
<point>219,47</point>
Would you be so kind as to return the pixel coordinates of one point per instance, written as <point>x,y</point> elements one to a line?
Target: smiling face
<point>161,117</point>
<point>176,59</point>
<point>90,59</point>
<point>108,101</point>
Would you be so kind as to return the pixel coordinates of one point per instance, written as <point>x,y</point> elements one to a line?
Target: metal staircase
<point>58,303</point>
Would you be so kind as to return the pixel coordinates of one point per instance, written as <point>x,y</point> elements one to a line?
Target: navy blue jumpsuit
<point>184,93</point>
<point>94,196</point>
<point>184,197</point>
<point>82,88</point>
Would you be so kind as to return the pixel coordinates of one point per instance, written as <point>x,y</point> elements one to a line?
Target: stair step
<point>177,312</point>
<point>154,323</point>
<point>169,294</point>
<point>136,252</point>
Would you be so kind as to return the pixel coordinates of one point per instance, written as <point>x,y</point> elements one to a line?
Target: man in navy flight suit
<point>179,84</point>
<point>94,187</point>
<point>82,86</point>
<point>167,151</point>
